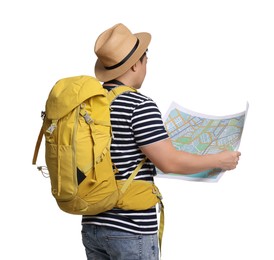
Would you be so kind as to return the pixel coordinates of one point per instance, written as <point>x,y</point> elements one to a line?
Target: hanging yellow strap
<point>162,216</point>
<point>39,140</point>
<point>162,223</point>
<point>37,146</point>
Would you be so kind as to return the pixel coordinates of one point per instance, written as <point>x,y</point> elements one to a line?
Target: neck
<point>114,82</point>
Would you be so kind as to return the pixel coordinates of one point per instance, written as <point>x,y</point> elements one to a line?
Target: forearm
<point>166,158</point>
<point>186,163</point>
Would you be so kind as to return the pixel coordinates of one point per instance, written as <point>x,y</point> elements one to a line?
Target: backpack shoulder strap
<point>112,94</point>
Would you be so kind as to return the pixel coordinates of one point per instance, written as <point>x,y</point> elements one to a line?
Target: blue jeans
<point>105,243</point>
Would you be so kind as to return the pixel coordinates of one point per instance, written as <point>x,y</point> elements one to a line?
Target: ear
<point>134,67</point>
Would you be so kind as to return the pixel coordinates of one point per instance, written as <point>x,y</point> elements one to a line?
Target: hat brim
<point>104,75</point>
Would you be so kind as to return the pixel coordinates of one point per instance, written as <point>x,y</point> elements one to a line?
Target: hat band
<point>125,59</point>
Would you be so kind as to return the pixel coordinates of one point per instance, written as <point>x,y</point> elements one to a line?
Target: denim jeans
<point>105,243</point>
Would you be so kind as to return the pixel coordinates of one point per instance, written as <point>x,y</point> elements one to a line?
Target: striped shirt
<point>136,121</point>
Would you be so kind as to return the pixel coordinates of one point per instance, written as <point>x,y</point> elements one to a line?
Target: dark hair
<point>144,54</point>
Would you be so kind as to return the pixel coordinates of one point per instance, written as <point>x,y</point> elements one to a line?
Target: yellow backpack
<point>77,130</point>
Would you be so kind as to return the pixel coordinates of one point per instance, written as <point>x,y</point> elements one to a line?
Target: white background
<point>209,56</point>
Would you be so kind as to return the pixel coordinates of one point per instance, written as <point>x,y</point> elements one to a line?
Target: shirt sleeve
<point>147,124</point>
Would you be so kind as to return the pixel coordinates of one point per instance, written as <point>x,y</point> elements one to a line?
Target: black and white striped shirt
<point>136,121</point>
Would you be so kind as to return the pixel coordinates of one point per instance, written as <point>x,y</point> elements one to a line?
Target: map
<point>202,134</point>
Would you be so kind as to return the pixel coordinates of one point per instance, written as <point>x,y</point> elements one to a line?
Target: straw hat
<point>118,50</point>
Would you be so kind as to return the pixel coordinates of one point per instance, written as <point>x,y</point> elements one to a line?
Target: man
<point>138,132</point>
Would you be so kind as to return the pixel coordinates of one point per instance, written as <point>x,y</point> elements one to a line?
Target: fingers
<point>238,154</point>
<point>229,159</point>
<point>236,160</point>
